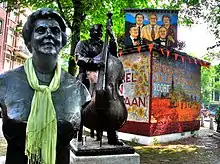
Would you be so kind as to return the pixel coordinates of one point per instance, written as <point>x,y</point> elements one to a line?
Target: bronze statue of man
<point>89,62</point>
<point>87,50</point>
<point>24,111</point>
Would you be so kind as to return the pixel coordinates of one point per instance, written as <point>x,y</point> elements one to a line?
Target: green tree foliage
<point>207,11</point>
<point>208,83</point>
<point>81,14</point>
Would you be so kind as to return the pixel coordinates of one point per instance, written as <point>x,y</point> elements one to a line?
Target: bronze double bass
<point>107,110</point>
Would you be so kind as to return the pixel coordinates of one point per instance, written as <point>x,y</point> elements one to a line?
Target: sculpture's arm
<point>81,53</point>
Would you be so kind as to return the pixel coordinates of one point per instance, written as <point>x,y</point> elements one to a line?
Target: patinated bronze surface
<point>90,59</point>
<point>87,51</point>
<point>44,35</point>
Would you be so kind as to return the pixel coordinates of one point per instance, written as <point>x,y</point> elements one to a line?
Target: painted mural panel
<point>150,26</point>
<point>135,87</point>
<point>176,90</point>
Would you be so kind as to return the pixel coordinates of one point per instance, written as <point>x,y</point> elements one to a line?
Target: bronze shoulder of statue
<point>17,97</point>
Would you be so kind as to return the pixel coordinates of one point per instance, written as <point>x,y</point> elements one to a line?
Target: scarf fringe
<point>34,159</point>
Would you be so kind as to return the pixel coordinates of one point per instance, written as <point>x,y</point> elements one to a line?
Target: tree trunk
<point>72,62</point>
<point>77,20</point>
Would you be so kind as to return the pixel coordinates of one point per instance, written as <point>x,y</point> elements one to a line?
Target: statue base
<point>89,151</point>
<point>91,147</point>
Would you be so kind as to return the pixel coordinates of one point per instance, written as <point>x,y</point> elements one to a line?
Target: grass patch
<point>174,154</point>
<point>132,143</point>
<point>165,154</point>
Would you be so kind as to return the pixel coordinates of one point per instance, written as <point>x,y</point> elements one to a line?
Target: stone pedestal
<point>105,159</point>
<point>91,147</point>
<point>90,152</point>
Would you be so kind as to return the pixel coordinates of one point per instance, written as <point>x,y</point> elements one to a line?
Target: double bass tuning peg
<point>109,20</point>
<point>109,14</point>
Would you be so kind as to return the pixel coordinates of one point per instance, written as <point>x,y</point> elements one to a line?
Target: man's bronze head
<point>45,16</point>
<point>96,31</point>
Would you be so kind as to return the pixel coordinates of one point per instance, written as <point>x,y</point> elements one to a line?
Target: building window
<point>1,26</point>
<point>18,62</point>
<point>10,38</point>
<point>2,4</point>
<point>212,95</point>
<point>216,96</point>
<point>13,15</point>
<point>8,62</point>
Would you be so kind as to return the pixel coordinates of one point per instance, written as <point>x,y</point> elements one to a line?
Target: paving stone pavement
<point>203,140</point>
<point>208,145</point>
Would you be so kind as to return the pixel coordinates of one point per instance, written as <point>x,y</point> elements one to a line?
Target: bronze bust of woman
<point>24,109</point>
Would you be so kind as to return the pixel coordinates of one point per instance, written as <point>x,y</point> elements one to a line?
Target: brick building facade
<point>13,51</point>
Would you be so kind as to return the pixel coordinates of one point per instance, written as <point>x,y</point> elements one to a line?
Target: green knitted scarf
<point>41,131</point>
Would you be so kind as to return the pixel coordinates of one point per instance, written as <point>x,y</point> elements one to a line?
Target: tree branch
<point>63,14</point>
<point>73,1</point>
<point>77,4</point>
